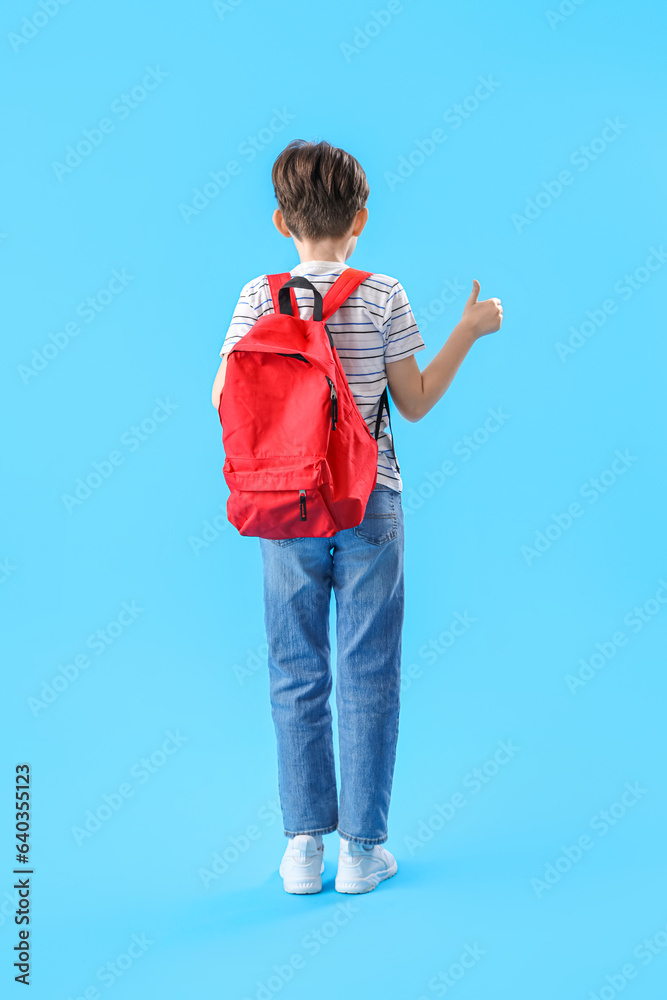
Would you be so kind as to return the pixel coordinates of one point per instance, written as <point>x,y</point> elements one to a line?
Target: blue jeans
<point>364,567</point>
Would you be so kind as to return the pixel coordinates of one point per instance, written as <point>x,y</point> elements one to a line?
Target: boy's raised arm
<point>415,392</point>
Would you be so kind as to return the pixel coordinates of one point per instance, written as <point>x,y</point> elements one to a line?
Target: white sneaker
<point>362,867</point>
<point>303,863</point>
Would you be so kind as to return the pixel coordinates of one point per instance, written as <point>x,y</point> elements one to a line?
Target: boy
<point>321,193</point>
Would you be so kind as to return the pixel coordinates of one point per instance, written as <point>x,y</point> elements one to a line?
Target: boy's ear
<point>279,223</point>
<point>360,220</point>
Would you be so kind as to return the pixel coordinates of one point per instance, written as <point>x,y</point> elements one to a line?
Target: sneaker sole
<point>365,884</point>
<point>303,886</point>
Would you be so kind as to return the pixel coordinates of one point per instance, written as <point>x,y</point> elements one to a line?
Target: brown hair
<point>319,189</point>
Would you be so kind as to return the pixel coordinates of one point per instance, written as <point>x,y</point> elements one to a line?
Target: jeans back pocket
<point>380,523</point>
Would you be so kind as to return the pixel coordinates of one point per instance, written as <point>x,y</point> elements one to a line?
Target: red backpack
<point>300,459</point>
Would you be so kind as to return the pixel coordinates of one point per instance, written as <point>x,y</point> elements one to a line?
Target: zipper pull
<point>334,403</point>
<point>302,505</point>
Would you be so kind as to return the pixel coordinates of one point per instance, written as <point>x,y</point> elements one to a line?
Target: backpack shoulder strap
<point>276,282</point>
<point>341,289</point>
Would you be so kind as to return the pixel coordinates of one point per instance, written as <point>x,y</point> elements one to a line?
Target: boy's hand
<point>481,317</point>
<point>415,392</point>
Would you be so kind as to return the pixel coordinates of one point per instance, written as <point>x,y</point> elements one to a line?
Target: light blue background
<point>186,662</point>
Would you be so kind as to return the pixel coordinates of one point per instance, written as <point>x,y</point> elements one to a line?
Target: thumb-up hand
<point>482,317</point>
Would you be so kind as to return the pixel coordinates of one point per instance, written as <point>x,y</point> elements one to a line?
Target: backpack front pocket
<point>280,502</point>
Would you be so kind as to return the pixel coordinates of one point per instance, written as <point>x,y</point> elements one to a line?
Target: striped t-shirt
<point>373,326</point>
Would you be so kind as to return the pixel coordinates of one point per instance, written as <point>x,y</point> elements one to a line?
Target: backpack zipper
<point>334,402</point>
<point>302,505</point>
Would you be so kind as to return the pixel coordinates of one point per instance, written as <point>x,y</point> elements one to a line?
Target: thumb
<point>475,292</point>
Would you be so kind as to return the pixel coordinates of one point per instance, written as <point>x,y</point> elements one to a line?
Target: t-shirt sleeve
<point>401,333</point>
<point>243,318</point>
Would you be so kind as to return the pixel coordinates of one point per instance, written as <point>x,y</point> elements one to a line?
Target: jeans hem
<point>311,833</point>
<point>363,840</point>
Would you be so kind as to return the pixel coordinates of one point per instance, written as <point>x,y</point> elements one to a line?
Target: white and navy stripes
<point>373,326</point>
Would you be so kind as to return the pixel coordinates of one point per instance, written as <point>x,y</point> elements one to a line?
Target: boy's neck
<point>334,251</point>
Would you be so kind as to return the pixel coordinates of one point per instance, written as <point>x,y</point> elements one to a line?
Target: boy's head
<point>320,191</point>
